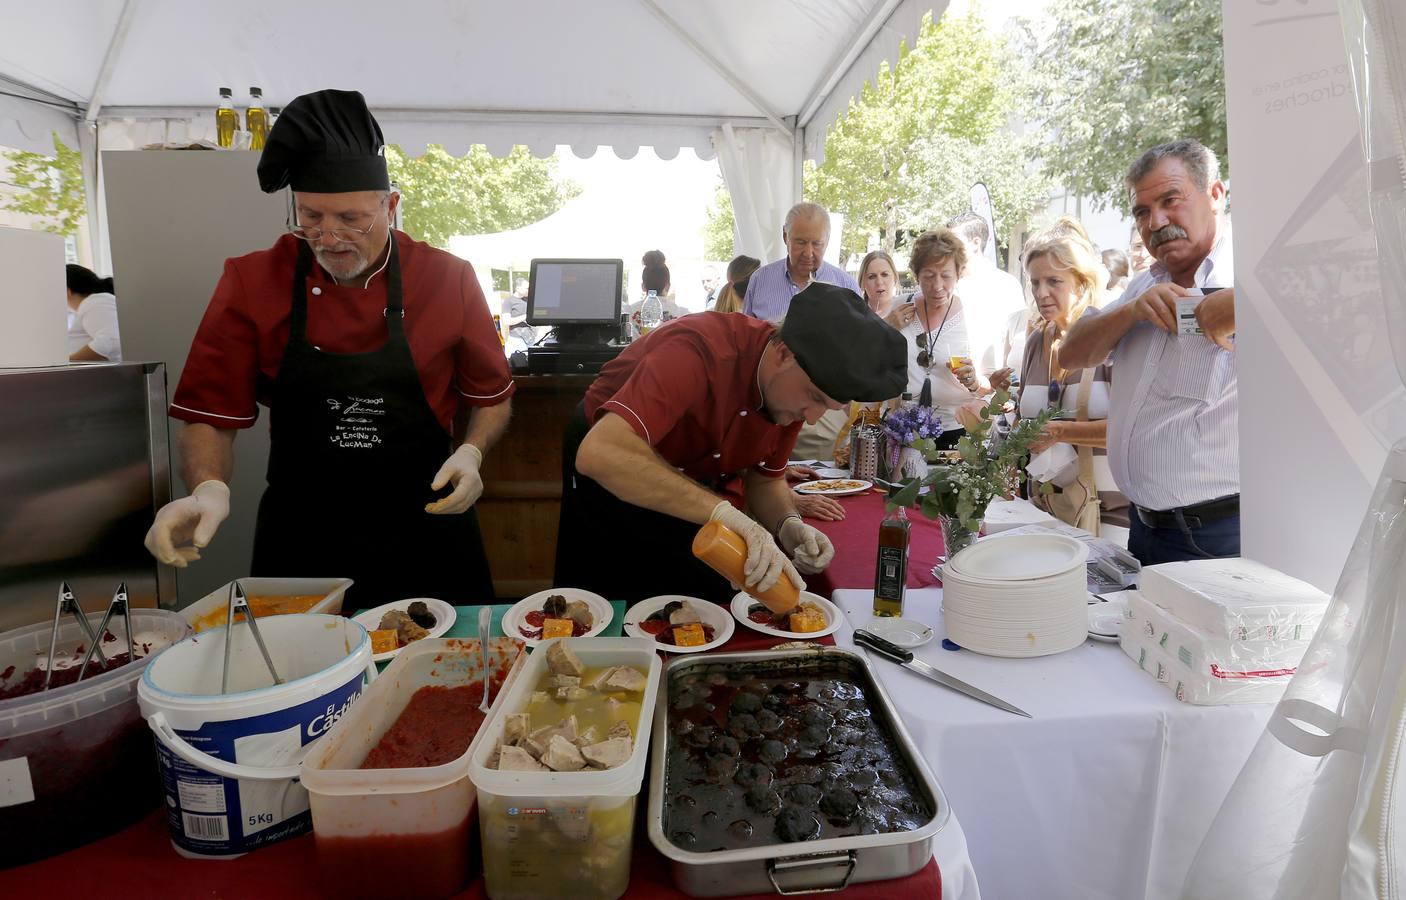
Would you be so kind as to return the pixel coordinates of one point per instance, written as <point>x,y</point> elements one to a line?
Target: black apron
<point>622,551</point>
<point>354,446</point>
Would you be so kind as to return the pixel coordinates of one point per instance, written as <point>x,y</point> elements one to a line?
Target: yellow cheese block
<point>384,640</point>
<point>807,619</point>
<point>556,628</point>
<point>690,635</point>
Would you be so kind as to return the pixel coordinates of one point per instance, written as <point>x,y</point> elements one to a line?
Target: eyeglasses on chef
<point>345,235</point>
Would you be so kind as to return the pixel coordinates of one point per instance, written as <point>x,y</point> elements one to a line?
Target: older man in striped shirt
<point>1172,440</point>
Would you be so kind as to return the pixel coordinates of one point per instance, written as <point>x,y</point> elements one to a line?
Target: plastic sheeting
<point>1316,812</point>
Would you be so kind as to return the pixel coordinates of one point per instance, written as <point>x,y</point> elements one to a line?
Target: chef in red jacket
<point>365,346</point>
<point>689,407</point>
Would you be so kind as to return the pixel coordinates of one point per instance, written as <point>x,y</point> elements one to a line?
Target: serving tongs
<point>117,603</point>
<point>238,603</point>
<point>67,605</point>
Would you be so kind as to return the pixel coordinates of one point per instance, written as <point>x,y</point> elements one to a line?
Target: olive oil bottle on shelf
<point>226,119</point>
<point>891,570</point>
<point>256,121</point>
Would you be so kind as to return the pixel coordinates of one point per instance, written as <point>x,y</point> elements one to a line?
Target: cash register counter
<point>522,484</point>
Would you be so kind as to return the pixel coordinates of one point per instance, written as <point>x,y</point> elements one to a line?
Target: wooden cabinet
<point>521,500</point>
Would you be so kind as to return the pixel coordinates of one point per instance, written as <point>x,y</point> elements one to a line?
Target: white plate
<point>444,616</point>
<point>1105,621</point>
<point>1035,556</point>
<point>832,473</point>
<point>601,612</point>
<point>815,487</point>
<point>906,633</point>
<point>743,602</point>
<point>711,614</point>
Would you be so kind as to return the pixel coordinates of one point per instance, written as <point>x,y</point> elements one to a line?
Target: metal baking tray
<point>824,865</point>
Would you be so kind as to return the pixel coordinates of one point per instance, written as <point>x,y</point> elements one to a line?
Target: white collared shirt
<point>1173,422</point>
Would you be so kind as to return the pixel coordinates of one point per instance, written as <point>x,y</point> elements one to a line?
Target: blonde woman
<point>739,271</point>
<point>878,279</point>
<point>1066,277</point>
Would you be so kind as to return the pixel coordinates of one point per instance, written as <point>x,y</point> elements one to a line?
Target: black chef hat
<point>327,143</point>
<point>850,353</point>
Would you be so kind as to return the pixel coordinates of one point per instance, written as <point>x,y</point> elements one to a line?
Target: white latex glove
<point>765,562</point>
<point>192,519</point>
<point>461,470</point>
<point>808,545</point>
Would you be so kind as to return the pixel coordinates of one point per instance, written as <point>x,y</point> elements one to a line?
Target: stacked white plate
<point>1023,595</point>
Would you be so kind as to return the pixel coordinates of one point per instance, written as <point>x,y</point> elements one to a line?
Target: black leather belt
<point>1191,516</point>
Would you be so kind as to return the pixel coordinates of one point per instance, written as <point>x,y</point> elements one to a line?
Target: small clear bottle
<point>226,119</point>
<point>651,313</point>
<point>256,120</point>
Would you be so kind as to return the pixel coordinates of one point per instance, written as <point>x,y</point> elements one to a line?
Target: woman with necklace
<point>1065,280</point>
<point>936,334</point>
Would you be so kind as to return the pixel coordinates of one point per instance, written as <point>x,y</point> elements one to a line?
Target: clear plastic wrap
<point>1203,668</point>
<point>1236,599</point>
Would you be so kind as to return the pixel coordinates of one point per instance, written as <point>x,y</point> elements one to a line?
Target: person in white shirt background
<point>990,296</point>
<point>1173,443</point>
<point>92,317</point>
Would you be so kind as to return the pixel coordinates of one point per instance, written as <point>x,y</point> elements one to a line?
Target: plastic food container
<point>400,832</point>
<point>76,762</point>
<point>562,834</point>
<point>333,590</point>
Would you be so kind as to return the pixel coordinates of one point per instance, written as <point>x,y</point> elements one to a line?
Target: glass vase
<point>911,464</point>
<point>955,536</point>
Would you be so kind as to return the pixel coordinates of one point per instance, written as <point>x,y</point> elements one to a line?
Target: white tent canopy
<point>668,74</point>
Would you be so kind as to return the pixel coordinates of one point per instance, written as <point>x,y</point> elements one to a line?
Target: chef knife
<point>895,653</point>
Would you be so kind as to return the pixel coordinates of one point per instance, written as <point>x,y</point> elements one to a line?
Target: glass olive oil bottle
<point>891,570</point>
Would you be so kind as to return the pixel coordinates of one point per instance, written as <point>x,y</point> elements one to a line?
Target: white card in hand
<point>1186,315</point>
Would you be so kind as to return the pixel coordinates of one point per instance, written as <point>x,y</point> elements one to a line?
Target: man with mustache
<point>368,348</point>
<point>806,233</point>
<point>1172,440</point>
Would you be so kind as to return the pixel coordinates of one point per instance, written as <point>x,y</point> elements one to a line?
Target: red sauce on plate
<point>653,626</point>
<point>435,728</point>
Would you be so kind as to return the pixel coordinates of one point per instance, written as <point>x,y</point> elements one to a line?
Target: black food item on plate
<point>555,607</point>
<point>839,803</point>
<point>420,614</point>
<point>797,824</point>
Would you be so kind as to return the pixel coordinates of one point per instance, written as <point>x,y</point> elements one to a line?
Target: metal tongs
<point>239,603</point>
<point>67,605</point>
<point>117,603</point>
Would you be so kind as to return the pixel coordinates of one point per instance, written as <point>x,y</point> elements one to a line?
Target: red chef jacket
<point>689,389</point>
<point>238,348</point>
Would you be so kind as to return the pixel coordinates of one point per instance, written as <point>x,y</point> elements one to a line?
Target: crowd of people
<point>1154,448</point>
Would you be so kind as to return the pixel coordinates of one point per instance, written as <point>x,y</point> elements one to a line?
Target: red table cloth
<point>856,540</point>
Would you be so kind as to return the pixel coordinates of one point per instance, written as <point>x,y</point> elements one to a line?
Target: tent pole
<point>847,58</point>
<point>114,52</point>
<point>92,188</point>
<point>702,53</point>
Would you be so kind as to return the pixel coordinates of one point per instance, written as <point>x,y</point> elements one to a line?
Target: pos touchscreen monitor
<point>575,292</point>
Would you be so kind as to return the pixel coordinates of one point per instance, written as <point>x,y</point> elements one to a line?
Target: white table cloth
<point>1106,793</point>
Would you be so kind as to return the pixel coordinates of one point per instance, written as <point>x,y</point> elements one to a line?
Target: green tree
<point>1115,77</point>
<point>918,136</point>
<point>719,231</point>
<point>443,195</point>
<point>50,187</point>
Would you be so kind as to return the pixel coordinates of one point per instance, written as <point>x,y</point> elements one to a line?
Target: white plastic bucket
<point>229,762</point>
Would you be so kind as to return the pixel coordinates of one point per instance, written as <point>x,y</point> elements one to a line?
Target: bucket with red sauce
<point>392,803</point>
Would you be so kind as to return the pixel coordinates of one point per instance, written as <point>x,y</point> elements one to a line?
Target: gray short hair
<point>804,210</point>
<point>1199,160</point>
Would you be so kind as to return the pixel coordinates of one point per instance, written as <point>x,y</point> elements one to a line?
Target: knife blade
<point>904,658</point>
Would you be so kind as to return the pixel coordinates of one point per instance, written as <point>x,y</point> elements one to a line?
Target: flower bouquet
<point>959,493</point>
<point>910,438</point>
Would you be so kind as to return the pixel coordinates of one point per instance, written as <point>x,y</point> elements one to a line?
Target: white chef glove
<point>765,562</point>
<point>192,519</point>
<point>808,545</point>
<point>461,470</point>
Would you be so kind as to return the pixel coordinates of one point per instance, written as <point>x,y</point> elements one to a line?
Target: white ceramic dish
<point>1106,620</point>
<point>513,619</point>
<point>444,616</point>
<point>906,633</point>
<point>826,487</point>
<point>1035,556</point>
<point>743,602</point>
<point>712,615</point>
<point>831,473</point>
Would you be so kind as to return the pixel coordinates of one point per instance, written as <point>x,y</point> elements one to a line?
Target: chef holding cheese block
<point>684,410</point>
<point>366,346</point>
